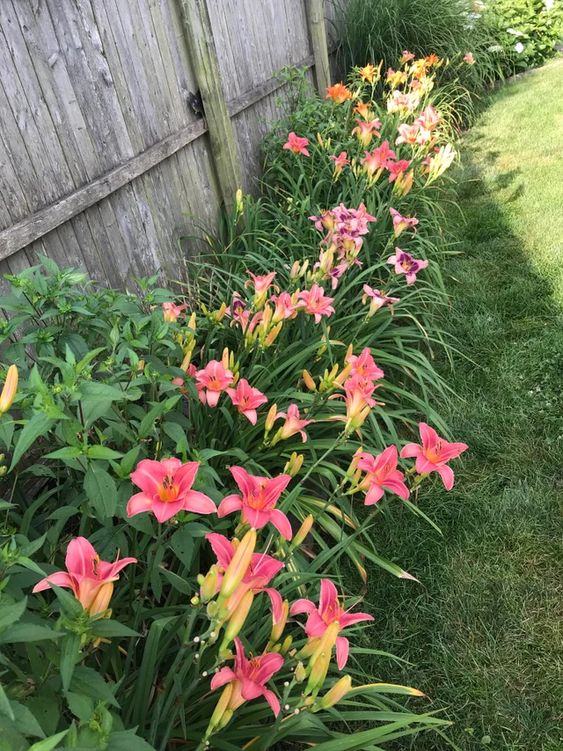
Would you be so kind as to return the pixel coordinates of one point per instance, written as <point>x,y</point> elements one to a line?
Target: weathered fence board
<point>106,161</point>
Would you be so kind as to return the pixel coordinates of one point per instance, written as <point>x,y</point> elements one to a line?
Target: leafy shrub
<point>192,470</point>
<point>382,29</point>
<point>527,30</point>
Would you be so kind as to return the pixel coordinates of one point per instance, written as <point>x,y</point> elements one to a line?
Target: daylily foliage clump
<point>226,445</point>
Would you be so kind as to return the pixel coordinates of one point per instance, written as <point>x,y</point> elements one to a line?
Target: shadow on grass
<point>483,633</point>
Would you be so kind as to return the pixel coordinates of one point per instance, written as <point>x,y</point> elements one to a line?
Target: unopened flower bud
<point>286,644</point>
<point>300,673</point>
<point>303,531</point>
<point>294,464</point>
<point>220,709</point>
<point>237,620</point>
<point>8,393</point>
<point>238,566</point>
<point>208,585</point>
<point>271,417</point>
<point>239,202</point>
<point>336,693</point>
<point>309,381</point>
<point>279,625</point>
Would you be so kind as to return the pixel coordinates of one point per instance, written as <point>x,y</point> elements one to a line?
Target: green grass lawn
<point>484,632</point>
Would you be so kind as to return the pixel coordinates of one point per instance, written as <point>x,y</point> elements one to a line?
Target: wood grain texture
<point>104,165</point>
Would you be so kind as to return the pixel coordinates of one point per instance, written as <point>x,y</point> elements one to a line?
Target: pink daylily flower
<point>249,677</point>
<point>403,102</point>
<point>382,474</point>
<point>246,399</point>
<point>316,303</point>
<point>262,569</point>
<point>329,611</point>
<point>377,298</point>
<point>293,423</point>
<point>297,144</point>
<point>340,162</point>
<point>402,223</point>
<point>378,159</point>
<point>408,133</point>
<point>257,501</point>
<point>166,487</point>
<point>261,283</point>
<point>396,169</point>
<point>405,264</point>
<point>212,381</point>
<point>285,307</point>
<point>171,311</point>
<point>364,366</point>
<point>468,58</point>
<point>429,118</point>
<point>367,130</point>
<point>434,454</point>
<point>89,578</point>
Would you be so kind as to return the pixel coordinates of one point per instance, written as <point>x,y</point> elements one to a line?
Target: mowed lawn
<point>483,632</point>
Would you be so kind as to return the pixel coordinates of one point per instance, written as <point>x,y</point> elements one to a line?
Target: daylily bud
<point>326,643</point>
<point>9,390</point>
<point>271,417</point>
<point>273,334</point>
<point>308,381</point>
<point>218,315</point>
<point>286,644</point>
<point>219,710</point>
<point>239,202</point>
<point>336,693</point>
<point>303,531</point>
<point>186,362</point>
<point>239,564</point>
<point>102,599</point>
<point>237,619</point>
<point>343,375</point>
<point>294,464</point>
<point>192,322</point>
<point>300,673</point>
<point>318,672</point>
<point>295,269</point>
<point>208,584</point>
<point>278,626</point>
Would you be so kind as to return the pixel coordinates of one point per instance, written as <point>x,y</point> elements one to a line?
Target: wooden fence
<point>122,121</point>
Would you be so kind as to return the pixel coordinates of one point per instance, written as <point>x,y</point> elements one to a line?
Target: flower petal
<point>270,697</point>
<point>139,503</point>
<point>148,476</point>
<point>80,557</point>
<point>281,523</point>
<point>165,511</point>
<point>58,578</point>
<point>329,596</point>
<point>447,475</point>
<point>199,503</point>
<point>229,505</point>
<point>222,677</point>
<point>342,651</point>
<point>222,547</point>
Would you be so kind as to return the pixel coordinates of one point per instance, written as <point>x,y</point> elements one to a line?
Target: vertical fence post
<point>317,31</point>
<point>203,54</point>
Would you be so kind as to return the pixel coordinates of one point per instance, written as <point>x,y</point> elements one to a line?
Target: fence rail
<point>120,121</point>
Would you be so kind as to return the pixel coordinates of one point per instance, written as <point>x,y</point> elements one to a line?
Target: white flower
<point>514,32</point>
<point>548,4</point>
<point>519,47</point>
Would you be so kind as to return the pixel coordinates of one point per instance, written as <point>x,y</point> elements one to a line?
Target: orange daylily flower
<point>339,93</point>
